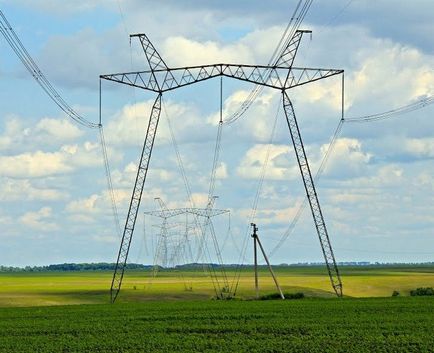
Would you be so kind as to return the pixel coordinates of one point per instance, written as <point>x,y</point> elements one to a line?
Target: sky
<point>376,191</point>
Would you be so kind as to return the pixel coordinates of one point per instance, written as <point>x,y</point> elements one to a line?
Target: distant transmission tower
<point>171,248</point>
<point>282,76</point>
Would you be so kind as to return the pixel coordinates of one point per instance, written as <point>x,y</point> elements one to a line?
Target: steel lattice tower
<point>282,76</point>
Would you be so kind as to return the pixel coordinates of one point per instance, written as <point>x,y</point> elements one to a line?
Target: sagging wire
<point>319,172</point>
<point>234,285</point>
<point>31,66</point>
<point>286,37</point>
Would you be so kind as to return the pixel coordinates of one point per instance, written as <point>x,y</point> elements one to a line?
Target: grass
<point>403,324</point>
<point>57,288</point>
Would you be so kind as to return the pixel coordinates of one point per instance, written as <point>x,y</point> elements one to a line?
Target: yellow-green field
<point>56,288</point>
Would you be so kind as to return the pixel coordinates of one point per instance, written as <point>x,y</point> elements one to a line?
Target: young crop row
<point>307,325</point>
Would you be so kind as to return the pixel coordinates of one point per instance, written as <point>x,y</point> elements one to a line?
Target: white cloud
<point>87,205</point>
<point>200,199</point>
<point>422,147</point>
<point>397,73</point>
<point>222,171</point>
<point>39,220</point>
<point>278,167</point>
<point>378,181</point>
<point>19,134</point>
<point>256,124</point>
<point>13,131</point>
<point>347,158</point>
<point>22,189</point>
<point>41,164</point>
<point>128,128</point>
<point>389,175</point>
<point>57,129</point>
<point>274,216</point>
<point>35,164</point>
<point>180,51</point>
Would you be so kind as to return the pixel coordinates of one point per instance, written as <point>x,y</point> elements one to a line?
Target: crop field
<point>160,315</point>
<point>59,288</point>
<point>401,324</point>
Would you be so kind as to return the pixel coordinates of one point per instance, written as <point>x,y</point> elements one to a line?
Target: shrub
<point>272,296</point>
<point>422,291</point>
<point>395,293</point>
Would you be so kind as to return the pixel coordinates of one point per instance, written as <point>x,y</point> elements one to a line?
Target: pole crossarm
<point>278,77</point>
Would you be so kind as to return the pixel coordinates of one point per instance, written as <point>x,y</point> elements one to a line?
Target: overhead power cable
<point>303,205</point>
<point>234,285</point>
<point>203,250</point>
<point>31,66</point>
<point>421,103</point>
<point>109,182</point>
<point>292,26</point>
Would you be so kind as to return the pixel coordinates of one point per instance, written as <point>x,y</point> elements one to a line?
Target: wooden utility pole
<point>255,242</point>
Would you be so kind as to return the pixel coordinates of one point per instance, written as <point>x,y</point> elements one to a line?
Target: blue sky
<point>376,191</point>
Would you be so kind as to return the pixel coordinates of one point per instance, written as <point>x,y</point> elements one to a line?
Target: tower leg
<point>312,196</point>
<point>135,199</point>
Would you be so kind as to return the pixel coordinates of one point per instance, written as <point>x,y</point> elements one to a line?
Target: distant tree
<point>423,291</point>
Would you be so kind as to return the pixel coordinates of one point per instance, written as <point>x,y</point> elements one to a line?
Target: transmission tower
<point>166,253</point>
<point>281,76</point>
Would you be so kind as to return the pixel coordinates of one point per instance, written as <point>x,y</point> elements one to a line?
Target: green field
<point>159,315</point>
<point>402,324</point>
<point>57,288</point>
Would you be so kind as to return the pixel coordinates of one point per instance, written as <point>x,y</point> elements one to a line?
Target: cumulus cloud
<point>278,167</point>
<point>128,127</point>
<point>63,130</point>
<point>47,132</point>
<point>347,158</point>
<point>180,51</point>
<point>39,220</point>
<point>421,148</point>
<point>378,180</point>
<point>22,189</point>
<point>222,171</point>
<point>41,164</point>
<point>274,216</point>
<point>35,164</point>
<point>87,205</point>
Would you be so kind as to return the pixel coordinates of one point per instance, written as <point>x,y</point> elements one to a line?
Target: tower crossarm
<point>166,213</point>
<point>270,76</point>
<point>201,212</point>
<point>204,212</point>
<point>298,76</point>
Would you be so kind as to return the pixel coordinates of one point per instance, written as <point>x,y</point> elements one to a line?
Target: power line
<point>421,103</point>
<point>31,66</point>
<point>292,26</point>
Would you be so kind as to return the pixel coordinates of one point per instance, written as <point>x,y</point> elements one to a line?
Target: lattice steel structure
<point>282,76</point>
